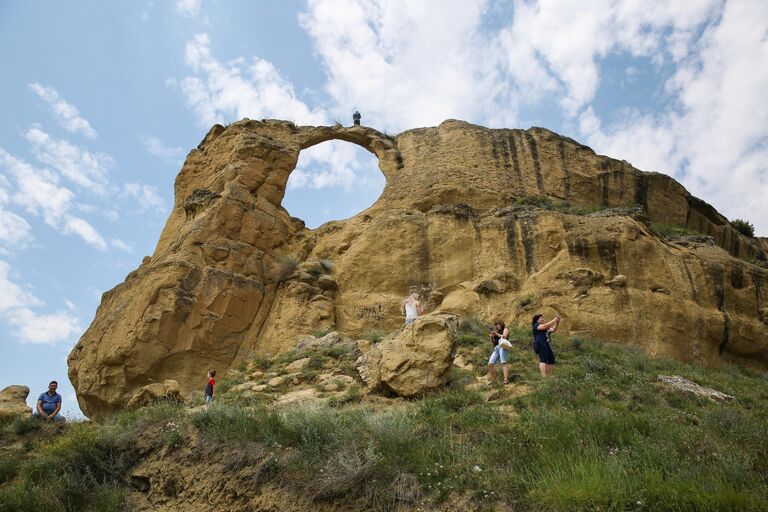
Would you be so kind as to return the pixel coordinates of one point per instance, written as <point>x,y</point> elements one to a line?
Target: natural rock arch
<point>208,296</point>
<point>337,199</point>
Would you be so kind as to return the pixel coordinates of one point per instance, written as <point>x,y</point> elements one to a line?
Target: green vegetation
<point>286,265</point>
<point>602,434</point>
<point>744,227</point>
<point>559,206</point>
<point>328,265</point>
<point>527,300</point>
<point>374,336</point>
<point>321,332</point>
<point>82,468</point>
<point>670,230</point>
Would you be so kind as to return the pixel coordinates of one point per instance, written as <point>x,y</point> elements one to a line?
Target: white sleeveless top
<point>411,311</point>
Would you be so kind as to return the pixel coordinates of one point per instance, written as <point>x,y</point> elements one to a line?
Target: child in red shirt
<point>209,387</point>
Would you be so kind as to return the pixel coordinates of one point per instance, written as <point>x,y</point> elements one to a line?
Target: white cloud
<point>52,328</point>
<point>119,244</point>
<point>223,92</point>
<point>88,170</point>
<point>556,45</point>
<point>155,147</point>
<point>335,163</point>
<point>146,196</point>
<point>65,113</point>
<point>38,192</point>
<point>84,230</point>
<point>12,295</point>
<point>32,327</point>
<point>717,143</point>
<point>188,7</point>
<point>14,230</point>
<point>410,64</point>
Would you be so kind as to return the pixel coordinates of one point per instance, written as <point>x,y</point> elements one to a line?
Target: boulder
<point>298,365</point>
<point>416,359</point>
<point>330,382</point>
<point>157,391</point>
<point>331,340</point>
<point>13,402</point>
<point>680,384</point>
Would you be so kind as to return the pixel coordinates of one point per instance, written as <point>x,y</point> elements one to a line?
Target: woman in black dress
<point>542,332</point>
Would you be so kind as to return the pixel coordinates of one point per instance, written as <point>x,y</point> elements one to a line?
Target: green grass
<point>602,434</point>
<point>85,464</point>
<point>374,336</point>
<point>559,206</point>
<point>670,230</point>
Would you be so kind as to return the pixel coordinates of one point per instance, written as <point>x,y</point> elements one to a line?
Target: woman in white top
<point>412,308</point>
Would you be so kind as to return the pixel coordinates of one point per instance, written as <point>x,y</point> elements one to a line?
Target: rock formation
<point>157,391</point>
<point>234,274</point>
<point>415,360</point>
<point>13,402</point>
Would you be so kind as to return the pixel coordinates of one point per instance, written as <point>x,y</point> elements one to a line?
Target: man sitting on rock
<point>49,404</point>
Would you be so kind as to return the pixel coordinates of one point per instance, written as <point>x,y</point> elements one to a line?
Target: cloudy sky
<point>101,101</point>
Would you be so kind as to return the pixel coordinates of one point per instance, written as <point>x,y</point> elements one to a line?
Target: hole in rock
<point>333,180</point>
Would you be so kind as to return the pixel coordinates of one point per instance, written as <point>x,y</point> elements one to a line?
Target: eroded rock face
<point>415,360</point>
<point>151,393</point>
<point>13,402</point>
<point>234,274</point>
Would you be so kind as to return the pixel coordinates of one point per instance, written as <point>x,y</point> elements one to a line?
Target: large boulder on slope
<point>416,359</point>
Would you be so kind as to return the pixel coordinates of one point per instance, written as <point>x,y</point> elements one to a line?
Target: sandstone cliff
<point>234,274</point>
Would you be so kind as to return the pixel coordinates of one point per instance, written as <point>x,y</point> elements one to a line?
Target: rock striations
<point>234,274</point>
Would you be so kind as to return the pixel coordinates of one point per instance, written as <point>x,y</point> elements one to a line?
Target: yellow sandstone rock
<point>13,402</point>
<point>233,274</point>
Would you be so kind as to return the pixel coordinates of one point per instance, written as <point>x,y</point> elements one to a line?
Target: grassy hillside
<point>602,434</point>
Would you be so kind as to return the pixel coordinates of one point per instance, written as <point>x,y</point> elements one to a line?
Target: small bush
<point>337,351</point>
<point>319,333</point>
<point>261,362</point>
<point>9,466</point>
<point>744,227</point>
<point>374,336</point>
<point>526,300</point>
<point>540,201</point>
<point>471,340</point>
<point>670,230</point>
<point>473,326</point>
<point>23,424</point>
<point>327,265</point>
<point>286,265</point>
<point>352,394</point>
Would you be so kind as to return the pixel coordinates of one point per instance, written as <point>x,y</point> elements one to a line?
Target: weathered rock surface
<point>151,393</point>
<point>233,273</point>
<point>326,342</point>
<point>415,360</point>
<point>13,402</point>
<point>679,383</point>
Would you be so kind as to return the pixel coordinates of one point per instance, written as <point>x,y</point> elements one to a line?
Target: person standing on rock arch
<point>542,336</point>
<point>412,308</point>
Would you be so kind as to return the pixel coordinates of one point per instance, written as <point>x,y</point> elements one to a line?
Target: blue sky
<point>101,101</point>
